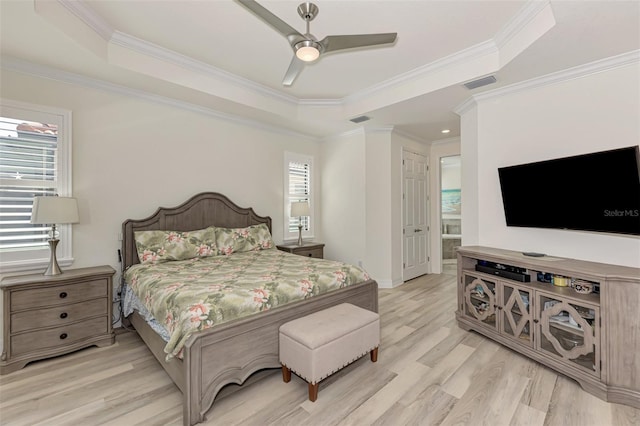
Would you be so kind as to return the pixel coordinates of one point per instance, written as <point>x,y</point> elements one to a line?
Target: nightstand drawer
<point>58,295</point>
<point>317,253</point>
<point>57,316</point>
<point>59,336</point>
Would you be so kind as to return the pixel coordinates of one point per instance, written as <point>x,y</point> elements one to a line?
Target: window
<point>297,187</point>
<point>35,147</point>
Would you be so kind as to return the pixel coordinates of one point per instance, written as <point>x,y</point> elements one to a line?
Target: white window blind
<point>298,188</point>
<point>27,169</point>
<point>33,162</point>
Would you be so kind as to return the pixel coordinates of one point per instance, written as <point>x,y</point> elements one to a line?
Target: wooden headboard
<point>200,211</point>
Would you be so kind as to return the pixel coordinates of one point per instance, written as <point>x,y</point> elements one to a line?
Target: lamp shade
<point>54,210</point>
<point>300,209</point>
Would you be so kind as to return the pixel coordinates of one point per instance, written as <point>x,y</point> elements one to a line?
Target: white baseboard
<point>390,283</point>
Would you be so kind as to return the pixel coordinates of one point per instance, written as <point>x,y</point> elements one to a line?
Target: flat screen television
<point>592,192</point>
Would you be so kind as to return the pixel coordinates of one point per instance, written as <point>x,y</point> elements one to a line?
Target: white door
<point>415,255</point>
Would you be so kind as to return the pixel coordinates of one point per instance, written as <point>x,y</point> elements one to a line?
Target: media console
<point>587,329</point>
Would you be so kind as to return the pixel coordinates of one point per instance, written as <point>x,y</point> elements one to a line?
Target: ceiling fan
<point>306,47</point>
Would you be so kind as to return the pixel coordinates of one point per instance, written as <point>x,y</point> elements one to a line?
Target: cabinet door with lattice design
<point>569,331</point>
<point>517,318</point>
<point>480,297</point>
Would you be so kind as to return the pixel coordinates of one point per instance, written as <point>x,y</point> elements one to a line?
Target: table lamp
<point>53,211</point>
<point>300,209</point>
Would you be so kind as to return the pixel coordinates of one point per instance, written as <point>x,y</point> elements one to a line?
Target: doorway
<point>451,207</point>
<point>415,253</point>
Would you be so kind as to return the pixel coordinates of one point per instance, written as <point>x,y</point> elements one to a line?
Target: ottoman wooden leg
<point>374,355</point>
<point>313,392</point>
<point>286,374</point>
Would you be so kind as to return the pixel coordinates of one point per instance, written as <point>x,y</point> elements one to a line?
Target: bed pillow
<point>165,246</point>
<point>238,240</point>
<point>204,240</point>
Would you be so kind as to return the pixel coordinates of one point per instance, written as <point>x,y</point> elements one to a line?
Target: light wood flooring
<point>429,372</point>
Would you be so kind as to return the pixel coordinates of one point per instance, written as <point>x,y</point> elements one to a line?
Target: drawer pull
<point>310,255</point>
<point>63,315</point>
<point>63,336</point>
<point>63,295</point>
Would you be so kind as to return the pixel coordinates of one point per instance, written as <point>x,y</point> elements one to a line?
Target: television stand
<point>586,328</point>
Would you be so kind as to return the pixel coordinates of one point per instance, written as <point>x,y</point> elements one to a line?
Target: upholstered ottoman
<point>317,345</point>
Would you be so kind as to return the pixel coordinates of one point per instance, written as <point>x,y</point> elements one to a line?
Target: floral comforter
<point>196,294</point>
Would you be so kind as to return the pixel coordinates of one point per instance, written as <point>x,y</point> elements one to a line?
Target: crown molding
<point>358,131</point>
<point>83,11</point>
<point>379,129</point>
<point>147,48</point>
<point>36,70</point>
<point>491,46</point>
<point>453,139</point>
<point>468,54</point>
<point>602,65</point>
<point>100,26</point>
<point>407,135</point>
<point>319,102</point>
<point>465,106</point>
<point>519,21</point>
<point>88,16</point>
<point>580,71</point>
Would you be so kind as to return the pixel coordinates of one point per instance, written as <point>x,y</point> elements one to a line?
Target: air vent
<point>360,119</point>
<point>480,82</point>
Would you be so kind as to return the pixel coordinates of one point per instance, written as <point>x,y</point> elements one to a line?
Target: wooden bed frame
<point>233,351</point>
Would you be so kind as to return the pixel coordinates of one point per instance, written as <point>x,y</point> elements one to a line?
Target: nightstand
<point>46,316</point>
<point>306,249</point>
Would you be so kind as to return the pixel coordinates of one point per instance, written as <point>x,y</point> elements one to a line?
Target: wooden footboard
<point>232,352</point>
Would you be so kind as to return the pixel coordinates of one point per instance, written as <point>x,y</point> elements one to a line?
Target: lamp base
<point>53,268</point>
<point>300,235</point>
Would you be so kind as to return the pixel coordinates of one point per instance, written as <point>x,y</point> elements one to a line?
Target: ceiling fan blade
<point>295,68</point>
<point>276,23</point>
<point>341,42</point>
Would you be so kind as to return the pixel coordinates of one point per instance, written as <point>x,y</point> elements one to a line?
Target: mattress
<point>187,296</point>
<point>131,303</point>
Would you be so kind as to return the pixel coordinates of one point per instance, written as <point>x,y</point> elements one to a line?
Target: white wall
<point>356,210</point>
<point>378,206</point>
<point>362,183</point>
<point>343,198</point>
<point>131,156</point>
<point>593,113</point>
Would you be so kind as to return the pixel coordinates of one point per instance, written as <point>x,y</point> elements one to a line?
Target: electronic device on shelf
<point>506,271</point>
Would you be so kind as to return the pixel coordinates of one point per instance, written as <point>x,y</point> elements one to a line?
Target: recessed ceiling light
<point>446,131</point>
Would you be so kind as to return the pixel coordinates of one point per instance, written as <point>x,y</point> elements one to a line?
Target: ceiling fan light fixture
<point>307,50</point>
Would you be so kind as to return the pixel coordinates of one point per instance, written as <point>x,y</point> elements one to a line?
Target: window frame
<point>32,259</point>
<point>291,157</point>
